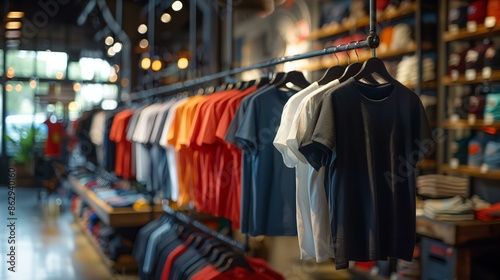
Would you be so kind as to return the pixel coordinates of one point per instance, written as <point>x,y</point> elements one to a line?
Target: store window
<point>20,63</point>
<point>51,65</point>
<point>89,69</point>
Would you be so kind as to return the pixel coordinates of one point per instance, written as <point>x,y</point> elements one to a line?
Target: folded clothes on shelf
<point>489,213</point>
<point>451,209</point>
<point>437,186</point>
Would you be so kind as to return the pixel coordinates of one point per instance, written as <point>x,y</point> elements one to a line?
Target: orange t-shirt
<point>123,162</point>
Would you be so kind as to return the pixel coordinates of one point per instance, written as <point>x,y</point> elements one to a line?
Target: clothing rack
<point>372,41</point>
<point>201,227</point>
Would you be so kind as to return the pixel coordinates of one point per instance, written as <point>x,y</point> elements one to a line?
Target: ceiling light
<point>165,18</point>
<point>144,43</point>
<point>109,41</point>
<point>111,52</point>
<point>145,63</point>
<point>13,25</point>
<point>72,106</point>
<point>33,83</point>
<point>14,14</point>
<point>116,67</point>
<point>10,72</point>
<point>142,28</point>
<point>13,34</point>
<point>156,65</point>
<point>113,78</point>
<point>182,63</point>
<point>77,87</point>
<point>117,47</point>
<point>59,75</point>
<point>19,87</point>
<point>177,5</point>
<point>8,87</point>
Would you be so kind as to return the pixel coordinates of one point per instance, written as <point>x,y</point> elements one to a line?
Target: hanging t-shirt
<point>370,138</point>
<point>246,217</point>
<point>172,164</point>
<point>97,135</point>
<point>53,144</point>
<point>271,197</point>
<point>123,162</point>
<point>311,183</point>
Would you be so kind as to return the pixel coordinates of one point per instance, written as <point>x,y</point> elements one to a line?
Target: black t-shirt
<point>370,138</point>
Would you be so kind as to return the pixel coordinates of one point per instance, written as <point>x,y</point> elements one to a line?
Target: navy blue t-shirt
<point>268,192</point>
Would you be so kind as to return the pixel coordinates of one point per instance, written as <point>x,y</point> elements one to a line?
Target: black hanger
<point>295,77</point>
<point>374,65</point>
<point>263,81</point>
<point>332,73</point>
<point>354,68</point>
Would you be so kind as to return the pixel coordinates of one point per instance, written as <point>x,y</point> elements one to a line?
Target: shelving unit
<point>472,172</point>
<point>124,263</point>
<point>464,124</point>
<point>464,34</point>
<point>461,79</point>
<point>363,57</point>
<point>114,217</point>
<point>324,32</point>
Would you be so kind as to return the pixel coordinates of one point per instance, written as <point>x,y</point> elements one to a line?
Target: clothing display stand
<point>372,41</point>
<point>187,221</point>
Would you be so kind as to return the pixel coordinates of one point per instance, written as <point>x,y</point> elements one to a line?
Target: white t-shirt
<point>304,226</point>
<point>310,184</point>
<point>172,166</point>
<point>140,137</point>
<point>96,134</point>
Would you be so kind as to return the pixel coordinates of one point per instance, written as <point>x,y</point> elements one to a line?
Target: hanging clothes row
<point>168,248</point>
<point>355,146</point>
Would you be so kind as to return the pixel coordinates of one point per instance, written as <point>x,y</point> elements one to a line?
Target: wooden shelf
<point>364,274</point>
<point>114,217</point>
<point>495,76</point>
<point>472,171</point>
<point>458,232</point>
<point>464,124</point>
<point>324,32</point>
<point>427,164</point>
<point>463,34</point>
<point>124,263</point>
<point>324,64</point>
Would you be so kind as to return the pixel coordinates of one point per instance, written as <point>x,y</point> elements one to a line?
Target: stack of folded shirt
<point>437,186</point>
<point>408,75</point>
<point>450,209</point>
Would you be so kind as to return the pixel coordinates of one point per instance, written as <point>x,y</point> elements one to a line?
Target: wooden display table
<point>467,237</point>
<point>113,217</point>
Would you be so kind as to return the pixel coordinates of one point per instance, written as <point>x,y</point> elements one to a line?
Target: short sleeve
<point>319,145</point>
<point>246,136</point>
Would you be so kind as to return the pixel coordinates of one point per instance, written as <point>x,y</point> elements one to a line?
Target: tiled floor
<point>49,245</point>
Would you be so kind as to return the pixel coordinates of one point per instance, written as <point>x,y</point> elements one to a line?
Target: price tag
<point>470,74</point>
<point>486,74</point>
<point>471,119</point>
<point>490,22</point>
<point>471,26</point>
<point>484,168</point>
<point>454,163</point>
<point>489,119</point>
<point>454,75</point>
<point>453,28</point>
<point>454,118</point>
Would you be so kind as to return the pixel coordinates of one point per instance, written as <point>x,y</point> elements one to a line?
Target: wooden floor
<point>49,245</point>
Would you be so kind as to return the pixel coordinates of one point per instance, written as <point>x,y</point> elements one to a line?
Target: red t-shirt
<point>53,145</point>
